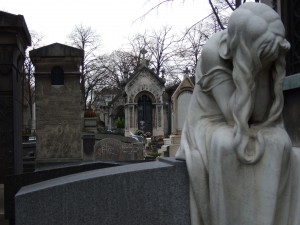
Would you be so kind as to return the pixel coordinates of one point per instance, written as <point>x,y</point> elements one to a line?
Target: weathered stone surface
<point>58,107</point>
<point>153,193</point>
<point>180,102</point>
<point>113,149</point>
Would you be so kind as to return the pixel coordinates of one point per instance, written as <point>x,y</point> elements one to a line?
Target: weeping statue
<point>235,146</point>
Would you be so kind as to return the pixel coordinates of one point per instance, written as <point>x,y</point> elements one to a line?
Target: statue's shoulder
<point>210,57</point>
<point>212,44</point>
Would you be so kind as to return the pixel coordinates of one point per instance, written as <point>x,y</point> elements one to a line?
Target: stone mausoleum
<point>58,102</point>
<point>147,104</point>
<point>143,104</point>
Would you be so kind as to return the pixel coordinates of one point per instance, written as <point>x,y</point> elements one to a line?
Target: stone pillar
<point>14,39</point>
<point>58,103</point>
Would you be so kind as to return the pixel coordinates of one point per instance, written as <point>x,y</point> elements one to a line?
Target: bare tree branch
<point>216,14</point>
<point>152,8</point>
<point>231,7</point>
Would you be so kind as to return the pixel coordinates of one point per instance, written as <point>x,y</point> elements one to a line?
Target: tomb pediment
<point>50,56</point>
<point>144,80</point>
<point>56,50</point>
<point>144,71</point>
<point>185,85</point>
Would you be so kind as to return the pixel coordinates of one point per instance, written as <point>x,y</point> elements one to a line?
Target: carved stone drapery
<point>237,151</point>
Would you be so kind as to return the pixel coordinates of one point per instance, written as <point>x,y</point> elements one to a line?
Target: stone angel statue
<point>235,146</point>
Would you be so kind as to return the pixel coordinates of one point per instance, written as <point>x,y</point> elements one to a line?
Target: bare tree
<point>189,52</point>
<point>136,44</point>
<point>88,40</point>
<point>119,65</point>
<point>162,47</point>
<point>220,9</point>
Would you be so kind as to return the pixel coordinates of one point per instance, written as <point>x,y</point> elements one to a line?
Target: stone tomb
<point>58,102</point>
<point>180,103</point>
<point>144,102</point>
<point>14,39</point>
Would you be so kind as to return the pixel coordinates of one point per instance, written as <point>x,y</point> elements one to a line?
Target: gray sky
<point>113,20</point>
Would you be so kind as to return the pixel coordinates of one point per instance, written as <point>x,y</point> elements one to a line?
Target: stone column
<point>14,39</point>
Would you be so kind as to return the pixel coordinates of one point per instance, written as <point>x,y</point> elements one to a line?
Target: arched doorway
<point>145,113</point>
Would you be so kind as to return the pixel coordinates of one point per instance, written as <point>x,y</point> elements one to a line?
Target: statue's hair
<point>255,32</point>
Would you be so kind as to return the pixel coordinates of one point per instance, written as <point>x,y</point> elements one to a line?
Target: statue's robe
<point>224,191</point>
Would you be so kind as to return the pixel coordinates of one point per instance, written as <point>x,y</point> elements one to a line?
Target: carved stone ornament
<point>236,149</point>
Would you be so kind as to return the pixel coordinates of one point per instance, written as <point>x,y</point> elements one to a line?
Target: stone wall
<point>152,193</point>
<point>58,119</point>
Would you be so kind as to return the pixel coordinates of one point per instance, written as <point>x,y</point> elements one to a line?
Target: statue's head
<point>255,32</point>
<point>255,43</point>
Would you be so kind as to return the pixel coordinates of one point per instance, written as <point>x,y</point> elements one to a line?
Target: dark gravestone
<point>291,115</point>
<point>291,109</point>
<point>14,39</point>
<point>45,172</point>
<point>151,193</point>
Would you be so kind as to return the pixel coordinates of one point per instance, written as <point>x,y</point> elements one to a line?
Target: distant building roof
<point>144,67</point>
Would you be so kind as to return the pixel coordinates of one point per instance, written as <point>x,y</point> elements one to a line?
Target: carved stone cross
<point>186,71</point>
<point>143,52</point>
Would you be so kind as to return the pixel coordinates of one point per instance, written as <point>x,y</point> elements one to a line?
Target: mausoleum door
<point>145,113</point>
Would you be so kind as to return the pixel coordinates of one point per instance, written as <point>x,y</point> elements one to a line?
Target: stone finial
<point>144,61</point>
<point>163,72</point>
<point>186,71</point>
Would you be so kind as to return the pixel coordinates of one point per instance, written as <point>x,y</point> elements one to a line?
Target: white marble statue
<point>234,143</point>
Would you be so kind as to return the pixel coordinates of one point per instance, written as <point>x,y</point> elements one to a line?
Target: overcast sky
<point>113,20</point>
